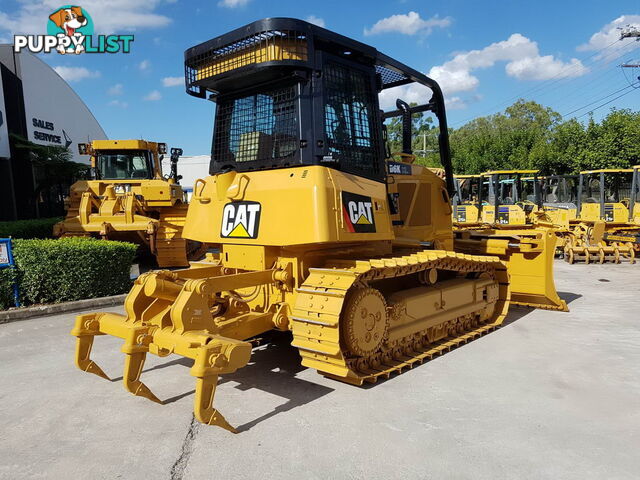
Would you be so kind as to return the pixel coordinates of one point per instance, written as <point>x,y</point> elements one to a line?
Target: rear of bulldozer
<point>311,230</point>
<point>128,199</point>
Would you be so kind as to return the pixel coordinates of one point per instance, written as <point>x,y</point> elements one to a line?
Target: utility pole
<point>630,31</point>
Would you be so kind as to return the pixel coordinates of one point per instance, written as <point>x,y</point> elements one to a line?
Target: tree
<point>515,139</point>
<point>612,143</point>
<point>53,172</point>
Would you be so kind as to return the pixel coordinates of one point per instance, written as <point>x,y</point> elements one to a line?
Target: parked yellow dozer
<point>466,200</point>
<point>128,198</point>
<point>560,199</point>
<point>504,217</point>
<point>318,233</point>
<point>607,226</point>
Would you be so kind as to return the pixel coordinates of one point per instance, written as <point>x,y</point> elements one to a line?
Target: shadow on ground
<point>275,364</point>
<point>272,369</point>
<point>569,296</point>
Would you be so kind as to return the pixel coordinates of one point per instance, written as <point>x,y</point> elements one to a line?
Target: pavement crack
<point>180,465</point>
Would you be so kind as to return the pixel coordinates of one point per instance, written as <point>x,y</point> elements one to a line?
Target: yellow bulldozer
<point>498,198</point>
<point>607,225</point>
<point>510,223</point>
<point>466,200</point>
<point>128,198</point>
<point>318,232</point>
<point>510,197</point>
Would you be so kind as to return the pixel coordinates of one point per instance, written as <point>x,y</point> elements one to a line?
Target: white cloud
<point>117,89</point>
<point>114,16</point>
<point>610,34</point>
<point>523,61</point>
<point>232,3</point>
<point>316,20</point>
<point>456,103</point>
<point>408,24</point>
<point>118,103</point>
<point>412,93</point>
<point>75,74</point>
<point>172,81</point>
<point>523,58</point>
<point>544,68</point>
<point>153,96</point>
<point>144,65</point>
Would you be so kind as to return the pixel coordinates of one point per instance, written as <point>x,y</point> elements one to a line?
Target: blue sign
<point>6,261</point>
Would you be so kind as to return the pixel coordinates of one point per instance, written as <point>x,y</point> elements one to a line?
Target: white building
<point>191,168</point>
<point>36,104</point>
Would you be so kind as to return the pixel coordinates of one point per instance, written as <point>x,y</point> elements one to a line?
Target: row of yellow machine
<point>595,214</point>
<point>307,223</point>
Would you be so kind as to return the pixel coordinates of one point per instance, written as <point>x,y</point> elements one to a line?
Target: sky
<point>485,55</point>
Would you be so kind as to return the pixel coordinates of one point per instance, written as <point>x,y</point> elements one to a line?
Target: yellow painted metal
<point>277,49</point>
<point>614,237</point>
<point>510,172</point>
<point>529,255</point>
<point>466,210</point>
<point>363,273</point>
<point>150,212</point>
<point>607,170</point>
<point>307,272</point>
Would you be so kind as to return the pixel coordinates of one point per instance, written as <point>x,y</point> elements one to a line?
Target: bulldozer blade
<point>133,365</point>
<point>203,404</point>
<point>529,256</point>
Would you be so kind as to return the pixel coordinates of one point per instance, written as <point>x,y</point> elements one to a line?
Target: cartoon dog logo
<point>69,20</point>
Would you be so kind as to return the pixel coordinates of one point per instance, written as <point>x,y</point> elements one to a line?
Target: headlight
<point>162,148</point>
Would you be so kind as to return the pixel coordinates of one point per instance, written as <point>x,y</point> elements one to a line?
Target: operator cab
<point>124,164</point>
<point>290,93</point>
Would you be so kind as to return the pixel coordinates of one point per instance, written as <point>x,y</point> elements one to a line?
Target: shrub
<point>6,287</point>
<point>53,271</point>
<point>36,228</point>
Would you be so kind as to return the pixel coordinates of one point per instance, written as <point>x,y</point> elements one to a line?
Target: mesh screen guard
<point>262,127</point>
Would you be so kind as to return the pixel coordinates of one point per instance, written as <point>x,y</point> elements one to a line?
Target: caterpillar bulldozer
<point>606,228</point>
<point>466,206</point>
<point>512,225</point>
<point>512,197</point>
<point>127,198</point>
<point>559,198</point>
<point>317,232</point>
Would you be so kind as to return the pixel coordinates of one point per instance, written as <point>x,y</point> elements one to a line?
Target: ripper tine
<point>85,329</point>
<point>135,348</point>
<point>221,355</point>
<point>203,404</point>
<point>132,370</point>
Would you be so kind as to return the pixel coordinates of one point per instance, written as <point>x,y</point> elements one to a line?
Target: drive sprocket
<point>365,322</point>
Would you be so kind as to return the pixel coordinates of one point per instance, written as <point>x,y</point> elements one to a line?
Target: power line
<point>597,77</point>
<point>562,74</point>
<point>606,103</point>
<point>596,101</point>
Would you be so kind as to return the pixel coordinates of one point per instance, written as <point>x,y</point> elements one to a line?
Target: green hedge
<point>36,228</point>
<point>53,271</point>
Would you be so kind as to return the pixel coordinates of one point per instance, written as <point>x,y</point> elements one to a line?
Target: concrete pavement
<point>549,395</point>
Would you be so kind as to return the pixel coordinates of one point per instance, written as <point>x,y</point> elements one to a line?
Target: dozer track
<point>325,301</point>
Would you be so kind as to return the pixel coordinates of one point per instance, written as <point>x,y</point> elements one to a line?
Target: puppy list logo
<point>70,30</point>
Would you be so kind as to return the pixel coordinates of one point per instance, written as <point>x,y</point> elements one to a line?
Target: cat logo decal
<point>240,220</point>
<point>357,211</point>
